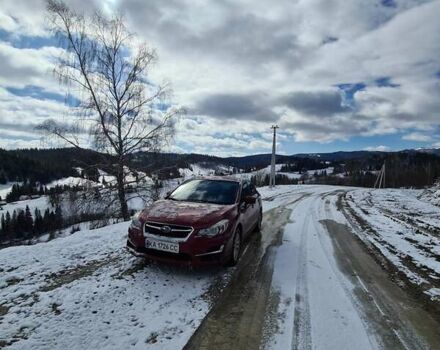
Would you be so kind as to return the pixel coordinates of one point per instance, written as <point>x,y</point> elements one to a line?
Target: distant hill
<point>45,165</point>
<point>435,151</point>
<point>340,156</point>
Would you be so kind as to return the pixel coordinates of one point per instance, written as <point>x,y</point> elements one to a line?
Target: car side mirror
<point>249,200</point>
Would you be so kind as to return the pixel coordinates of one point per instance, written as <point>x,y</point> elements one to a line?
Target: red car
<point>203,221</point>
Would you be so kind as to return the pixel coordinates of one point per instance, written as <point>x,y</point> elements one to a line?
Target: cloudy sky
<point>333,74</point>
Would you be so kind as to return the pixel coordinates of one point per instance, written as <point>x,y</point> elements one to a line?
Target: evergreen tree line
<point>403,169</point>
<point>3,177</point>
<point>31,188</point>
<point>22,224</point>
<point>44,165</point>
<point>280,179</point>
<point>303,164</point>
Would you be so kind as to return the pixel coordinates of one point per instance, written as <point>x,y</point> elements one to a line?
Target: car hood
<point>185,213</point>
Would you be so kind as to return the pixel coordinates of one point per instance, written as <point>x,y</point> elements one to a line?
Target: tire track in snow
<point>330,214</point>
<point>322,318</point>
<point>237,319</point>
<point>320,209</point>
<point>302,338</point>
<point>324,206</point>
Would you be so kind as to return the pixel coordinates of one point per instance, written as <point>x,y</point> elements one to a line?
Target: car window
<point>246,190</point>
<point>207,191</point>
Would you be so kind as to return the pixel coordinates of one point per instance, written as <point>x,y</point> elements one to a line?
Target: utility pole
<point>272,163</point>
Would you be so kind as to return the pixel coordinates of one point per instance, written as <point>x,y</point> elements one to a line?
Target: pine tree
<point>3,225</point>
<point>46,221</point>
<point>16,229</point>
<point>52,221</point>
<point>7,229</point>
<point>38,222</point>
<point>58,217</point>
<point>28,224</point>
<point>3,177</point>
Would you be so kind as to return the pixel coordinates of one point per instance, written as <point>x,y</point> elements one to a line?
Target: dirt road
<point>308,282</point>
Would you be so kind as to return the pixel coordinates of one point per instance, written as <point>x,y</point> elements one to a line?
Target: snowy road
<point>317,289</point>
<point>307,282</point>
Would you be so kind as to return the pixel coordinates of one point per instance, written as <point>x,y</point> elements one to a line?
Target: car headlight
<point>136,224</point>
<point>215,230</point>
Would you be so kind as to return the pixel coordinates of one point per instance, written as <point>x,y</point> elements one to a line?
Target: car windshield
<point>209,191</point>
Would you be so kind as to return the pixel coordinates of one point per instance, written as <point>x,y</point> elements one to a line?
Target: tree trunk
<point>121,192</point>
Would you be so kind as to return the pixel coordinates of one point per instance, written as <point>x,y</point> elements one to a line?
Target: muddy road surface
<point>237,319</point>
<point>308,282</point>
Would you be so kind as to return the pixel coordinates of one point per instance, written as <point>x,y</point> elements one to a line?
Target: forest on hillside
<point>403,169</point>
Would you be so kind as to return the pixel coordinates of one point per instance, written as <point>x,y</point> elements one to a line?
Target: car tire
<point>259,222</point>
<point>235,252</point>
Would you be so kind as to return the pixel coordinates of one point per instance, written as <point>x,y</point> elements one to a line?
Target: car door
<point>246,209</point>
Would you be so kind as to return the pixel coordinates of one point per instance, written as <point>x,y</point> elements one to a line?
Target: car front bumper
<point>196,251</point>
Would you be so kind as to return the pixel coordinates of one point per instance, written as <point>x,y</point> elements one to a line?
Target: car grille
<point>174,231</point>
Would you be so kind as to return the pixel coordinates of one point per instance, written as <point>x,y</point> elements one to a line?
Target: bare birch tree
<point>108,65</point>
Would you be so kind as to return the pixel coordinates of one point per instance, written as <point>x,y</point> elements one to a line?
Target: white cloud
<point>380,148</point>
<point>23,17</point>
<point>417,136</point>
<point>24,67</point>
<point>266,53</point>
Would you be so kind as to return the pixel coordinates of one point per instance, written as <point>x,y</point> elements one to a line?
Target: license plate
<point>162,245</point>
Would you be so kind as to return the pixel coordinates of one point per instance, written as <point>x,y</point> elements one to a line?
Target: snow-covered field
<point>200,169</point>
<point>6,188</point>
<point>405,227</point>
<point>84,291</point>
<point>41,203</point>
<point>290,175</point>
<point>431,195</point>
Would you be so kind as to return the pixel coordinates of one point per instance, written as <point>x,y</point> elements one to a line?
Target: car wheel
<point>259,222</point>
<point>234,255</point>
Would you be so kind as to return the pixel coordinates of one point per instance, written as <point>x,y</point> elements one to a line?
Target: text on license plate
<point>161,245</point>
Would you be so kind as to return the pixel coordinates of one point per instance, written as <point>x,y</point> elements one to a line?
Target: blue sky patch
<point>393,142</point>
<point>27,42</point>
<point>161,106</point>
<point>329,39</point>
<point>385,82</point>
<point>348,91</point>
<point>41,94</point>
<point>388,3</point>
